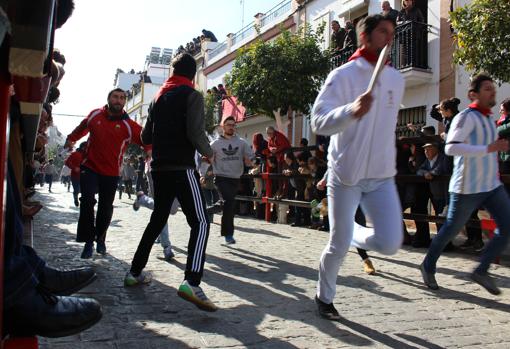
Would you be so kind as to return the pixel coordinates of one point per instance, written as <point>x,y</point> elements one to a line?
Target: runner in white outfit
<point>361,157</point>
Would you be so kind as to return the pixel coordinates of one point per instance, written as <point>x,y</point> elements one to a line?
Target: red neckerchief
<point>171,83</point>
<point>502,119</point>
<point>484,111</point>
<point>369,56</point>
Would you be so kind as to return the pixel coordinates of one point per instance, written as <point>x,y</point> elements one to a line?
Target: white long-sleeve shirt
<point>475,170</point>
<point>359,148</point>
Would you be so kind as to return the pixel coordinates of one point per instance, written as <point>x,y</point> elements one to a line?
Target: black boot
<point>66,282</point>
<point>43,314</point>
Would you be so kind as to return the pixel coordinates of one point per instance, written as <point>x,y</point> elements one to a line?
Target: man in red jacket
<point>111,131</point>
<point>277,143</point>
<point>74,162</point>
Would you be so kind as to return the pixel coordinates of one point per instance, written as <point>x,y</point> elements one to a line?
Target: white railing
<point>247,31</point>
<point>218,49</point>
<point>276,12</point>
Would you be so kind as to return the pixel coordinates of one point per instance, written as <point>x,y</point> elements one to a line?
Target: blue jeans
<point>164,236</point>
<point>461,206</point>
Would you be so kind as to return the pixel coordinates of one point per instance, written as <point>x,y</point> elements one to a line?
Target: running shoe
<point>196,295</point>
<point>143,278</point>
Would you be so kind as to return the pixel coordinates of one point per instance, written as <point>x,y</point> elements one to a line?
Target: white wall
<point>216,77</point>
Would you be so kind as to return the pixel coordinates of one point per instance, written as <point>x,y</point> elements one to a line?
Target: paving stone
<point>264,286</point>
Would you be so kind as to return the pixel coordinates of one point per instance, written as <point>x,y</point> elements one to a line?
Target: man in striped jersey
<point>176,129</point>
<point>473,142</point>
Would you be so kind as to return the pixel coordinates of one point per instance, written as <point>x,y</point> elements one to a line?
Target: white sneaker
<point>143,278</point>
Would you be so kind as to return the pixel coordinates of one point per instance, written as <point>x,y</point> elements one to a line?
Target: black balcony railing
<point>409,48</point>
<point>342,56</point>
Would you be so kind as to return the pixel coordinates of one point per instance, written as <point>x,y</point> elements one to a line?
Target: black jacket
<point>175,128</point>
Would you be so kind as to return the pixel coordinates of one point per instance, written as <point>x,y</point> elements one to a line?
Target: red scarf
<point>171,83</point>
<point>484,111</point>
<point>369,56</point>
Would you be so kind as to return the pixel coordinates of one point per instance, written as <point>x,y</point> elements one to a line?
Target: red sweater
<point>73,162</point>
<point>108,140</point>
<point>278,143</point>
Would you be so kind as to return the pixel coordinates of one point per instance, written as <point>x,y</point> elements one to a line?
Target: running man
<point>361,156</point>
<point>472,140</point>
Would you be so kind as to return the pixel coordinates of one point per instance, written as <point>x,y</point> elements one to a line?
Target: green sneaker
<point>143,278</point>
<point>196,296</point>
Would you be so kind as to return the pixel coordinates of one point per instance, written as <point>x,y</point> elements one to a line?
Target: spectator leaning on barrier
<point>410,12</point>
<point>337,36</point>
<point>388,11</point>
<point>277,143</point>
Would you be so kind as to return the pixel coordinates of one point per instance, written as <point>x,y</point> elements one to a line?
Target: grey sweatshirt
<point>229,155</point>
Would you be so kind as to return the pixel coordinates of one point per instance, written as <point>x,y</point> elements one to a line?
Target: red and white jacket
<point>108,140</point>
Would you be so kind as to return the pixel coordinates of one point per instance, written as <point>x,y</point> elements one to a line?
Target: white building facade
<point>429,79</point>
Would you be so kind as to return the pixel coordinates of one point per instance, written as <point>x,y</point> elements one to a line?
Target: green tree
<point>211,112</point>
<point>280,74</point>
<point>482,36</point>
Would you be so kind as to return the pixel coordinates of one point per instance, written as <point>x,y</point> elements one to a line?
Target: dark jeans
<point>76,187</point>
<point>228,188</point>
<point>460,208</point>
<point>48,179</point>
<point>183,185</point>
<point>92,183</point>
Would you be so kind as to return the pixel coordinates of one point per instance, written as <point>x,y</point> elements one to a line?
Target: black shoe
<point>101,247</point>
<point>88,249</point>
<point>421,243</point>
<point>428,278</point>
<point>43,314</point>
<point>466,245</point>
<point>486,282</point>
<point>326,310</point>
<point>478,245</point>
<point>66,282</point>
<point>297,224</point>
<point>216,208</point>
<point>449,248</point>
<point>76,203</point>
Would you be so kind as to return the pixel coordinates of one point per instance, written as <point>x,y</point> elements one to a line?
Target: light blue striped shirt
<point>475,170</point>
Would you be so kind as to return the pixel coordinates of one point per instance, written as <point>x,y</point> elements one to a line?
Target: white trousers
<point>379,201</point>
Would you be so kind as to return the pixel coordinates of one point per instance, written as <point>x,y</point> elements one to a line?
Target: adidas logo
<point>230,151</point>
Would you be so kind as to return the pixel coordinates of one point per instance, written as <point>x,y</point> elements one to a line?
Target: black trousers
<point>183,185</point>
<point>92,183</point>
<point>228,188</point>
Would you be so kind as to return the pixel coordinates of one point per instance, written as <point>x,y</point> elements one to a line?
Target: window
<point>410,116</point>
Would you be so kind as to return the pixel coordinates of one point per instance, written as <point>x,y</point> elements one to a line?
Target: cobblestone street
<point>264,286</point>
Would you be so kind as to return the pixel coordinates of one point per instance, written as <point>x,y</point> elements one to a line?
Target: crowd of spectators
<point>195,45</point>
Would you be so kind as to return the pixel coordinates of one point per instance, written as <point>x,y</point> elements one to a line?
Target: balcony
<point>409,53</point>
<point>276,12</point>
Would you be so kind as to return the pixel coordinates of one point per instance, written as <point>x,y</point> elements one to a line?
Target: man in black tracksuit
<point>175,128</point>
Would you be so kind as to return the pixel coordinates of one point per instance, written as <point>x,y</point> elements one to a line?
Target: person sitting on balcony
<point>277,144</point>
<point>337,36</point>
<point>209,35</point>
<point>409,13</point>
<point>388,11</point>
<point>350,36</point>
